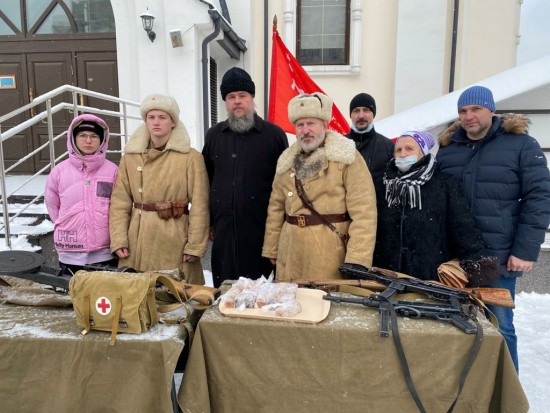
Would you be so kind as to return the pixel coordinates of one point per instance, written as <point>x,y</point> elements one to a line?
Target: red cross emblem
<point>103,305</point>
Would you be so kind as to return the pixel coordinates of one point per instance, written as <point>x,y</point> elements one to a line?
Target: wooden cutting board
<point>314,309</point>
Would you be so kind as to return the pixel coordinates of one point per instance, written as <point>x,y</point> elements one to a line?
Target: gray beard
<point>241,124</point>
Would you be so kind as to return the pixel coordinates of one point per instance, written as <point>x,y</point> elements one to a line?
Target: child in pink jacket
<point>78,195</point>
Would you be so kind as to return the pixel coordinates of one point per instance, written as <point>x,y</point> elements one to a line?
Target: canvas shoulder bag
<point>119,302</point>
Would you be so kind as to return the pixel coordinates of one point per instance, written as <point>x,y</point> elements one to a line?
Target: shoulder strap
<point>200,298</point>
<point>474,350</point>
<point>116,317</point>
<point>167,282</point>
<point>309,205</point>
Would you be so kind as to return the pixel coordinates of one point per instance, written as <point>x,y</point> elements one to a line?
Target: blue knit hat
<point>477,95</point>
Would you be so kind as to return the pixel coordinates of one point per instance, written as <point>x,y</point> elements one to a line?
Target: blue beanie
<point>477,95</point>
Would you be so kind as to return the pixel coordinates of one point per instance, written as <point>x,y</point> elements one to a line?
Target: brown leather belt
<point>307,220</point>
<point>145,207</point>
<point>153,207</point>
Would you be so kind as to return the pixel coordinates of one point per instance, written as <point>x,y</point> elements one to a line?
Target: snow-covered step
<point>28,226</point>
<point>26,209</point>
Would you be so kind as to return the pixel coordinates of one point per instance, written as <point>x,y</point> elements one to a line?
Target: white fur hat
<point>160,102</point>
<point>315,105</point>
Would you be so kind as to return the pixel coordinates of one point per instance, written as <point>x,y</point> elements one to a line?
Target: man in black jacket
<point>240,156</point>
<point>507,187</point>
<point>376,149</point>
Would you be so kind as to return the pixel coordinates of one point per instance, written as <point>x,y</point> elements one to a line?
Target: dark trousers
<point>70,269</point>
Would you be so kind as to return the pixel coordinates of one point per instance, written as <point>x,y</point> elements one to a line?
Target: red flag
<point>288,79</point>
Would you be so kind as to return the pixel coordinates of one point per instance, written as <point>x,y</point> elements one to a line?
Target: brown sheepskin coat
<point>148,176</point>
<point>338,181</point>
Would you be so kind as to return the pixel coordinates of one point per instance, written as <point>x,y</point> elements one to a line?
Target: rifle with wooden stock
<point>494,296</point>
<point>457,308</point>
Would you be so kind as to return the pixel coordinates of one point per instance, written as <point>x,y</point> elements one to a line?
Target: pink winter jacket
<point>78,195</point>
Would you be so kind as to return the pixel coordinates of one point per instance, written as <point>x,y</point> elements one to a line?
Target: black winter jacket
<point>241,168</point>
<point>416,241</point>
<point>506,184</point>
<point>377,150</point>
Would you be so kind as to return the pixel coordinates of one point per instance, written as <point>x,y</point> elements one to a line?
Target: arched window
<point>52,17</point>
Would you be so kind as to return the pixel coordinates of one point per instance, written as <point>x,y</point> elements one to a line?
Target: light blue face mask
<point>404,164</point>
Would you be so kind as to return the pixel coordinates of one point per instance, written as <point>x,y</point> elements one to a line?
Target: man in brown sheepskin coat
<point>336,181</point>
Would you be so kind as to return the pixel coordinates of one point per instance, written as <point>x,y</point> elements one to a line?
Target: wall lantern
<point>148,20</point>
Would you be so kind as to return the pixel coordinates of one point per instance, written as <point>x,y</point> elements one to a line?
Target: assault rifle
<point>397,285</point>
<point>495,296</point>
<point>452,311</point>
<point>455,310</point>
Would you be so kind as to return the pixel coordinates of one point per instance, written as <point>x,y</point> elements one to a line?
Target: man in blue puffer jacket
<point>507,186</point>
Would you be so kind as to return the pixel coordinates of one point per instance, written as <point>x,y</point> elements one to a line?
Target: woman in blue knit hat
<point>424,220</point>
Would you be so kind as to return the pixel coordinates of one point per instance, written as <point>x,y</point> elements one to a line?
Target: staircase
<point>32,221</point>
<point>24,220</point>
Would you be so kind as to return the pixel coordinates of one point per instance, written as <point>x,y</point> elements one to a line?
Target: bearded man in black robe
<point>240,155</point>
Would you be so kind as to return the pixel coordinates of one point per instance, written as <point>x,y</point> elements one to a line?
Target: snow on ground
<point>532,321</point>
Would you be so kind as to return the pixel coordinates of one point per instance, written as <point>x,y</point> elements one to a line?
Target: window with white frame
<point>304,47</point>
<point>323,28</point>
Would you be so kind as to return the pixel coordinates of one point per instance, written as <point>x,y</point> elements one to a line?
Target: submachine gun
<point>30,266</point>
<point>456,308</point>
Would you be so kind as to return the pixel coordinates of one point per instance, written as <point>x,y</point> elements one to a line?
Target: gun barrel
<point>48,276</point>
<point>397,285</point>
<point>338,299</point>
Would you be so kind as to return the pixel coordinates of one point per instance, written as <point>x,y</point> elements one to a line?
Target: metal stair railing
<point>74,108</point>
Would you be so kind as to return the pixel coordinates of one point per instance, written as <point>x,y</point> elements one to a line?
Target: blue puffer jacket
<point>506,183</point>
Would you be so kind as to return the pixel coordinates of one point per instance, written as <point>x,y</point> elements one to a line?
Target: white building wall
<point>372,68</point>
<point>242,13</point>
<point>488,34</point>
<point>422,42</point>
<point>540,130</point>
<point>401,50</point>
<point>405,49</point>
<point>147,67</point>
